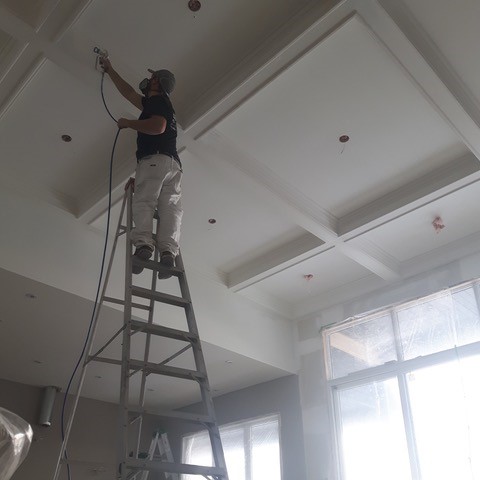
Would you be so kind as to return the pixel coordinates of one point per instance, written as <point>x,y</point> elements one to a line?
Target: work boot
<point>167,259</point>
<point>143,252</point>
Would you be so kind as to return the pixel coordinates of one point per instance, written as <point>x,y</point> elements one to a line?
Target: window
<point>251,448</point>
<point>405,388</point>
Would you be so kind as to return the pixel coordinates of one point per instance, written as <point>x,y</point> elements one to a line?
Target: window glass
<point>265,451</point>
<point>372,432</point>
<point>466,316</point>
<point>364,344</point>
<point>425,417</point>
<point>444,402</point>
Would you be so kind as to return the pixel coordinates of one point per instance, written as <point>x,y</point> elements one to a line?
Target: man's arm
<point>122,86</point>
<point>155,125</point>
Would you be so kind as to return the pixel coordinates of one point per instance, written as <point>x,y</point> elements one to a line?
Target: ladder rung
<point>153,466</point>
<point>170,414</point>
<point>122,302</point>
<point>163,331</point>
<point>159,369</point>
<point>177,372</point>
<point>160,297</point>
<point>113,361</point>
<point>157,266</point>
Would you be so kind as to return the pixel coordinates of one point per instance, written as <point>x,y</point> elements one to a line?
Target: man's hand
<point>130,183</point>
<point>123,123</point>
<point>105,64</point>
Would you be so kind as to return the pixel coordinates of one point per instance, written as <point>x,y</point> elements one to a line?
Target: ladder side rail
<point>88,349</point>
<point>213,431</point>
<point>141,400</point>
<point>149,336</point>
<point>124,381</point>
<point>168,455</point>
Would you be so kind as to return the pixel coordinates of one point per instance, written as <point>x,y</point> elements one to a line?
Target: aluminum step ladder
<point>160,442</point>
<point>132,466</point>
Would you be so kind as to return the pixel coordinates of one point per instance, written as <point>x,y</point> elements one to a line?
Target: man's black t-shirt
<point>166,142</point>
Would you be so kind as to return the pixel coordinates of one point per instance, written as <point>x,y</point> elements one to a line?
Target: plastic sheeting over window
<point>428,325</point>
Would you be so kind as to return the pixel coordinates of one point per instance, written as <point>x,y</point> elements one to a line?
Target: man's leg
<point>149,177</point>
<point>170,214</point>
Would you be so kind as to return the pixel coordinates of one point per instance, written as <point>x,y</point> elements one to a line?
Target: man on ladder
<point>159,171</point>
<point>157,181</point>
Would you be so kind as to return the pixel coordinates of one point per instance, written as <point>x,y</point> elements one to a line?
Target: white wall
<point>313,387</point>
<point>51,246</point>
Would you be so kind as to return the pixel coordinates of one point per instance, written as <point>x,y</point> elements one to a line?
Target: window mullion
<point>409,429</point>
<point>337,432</point>
<point>396,334</point>
<point>247,448</point>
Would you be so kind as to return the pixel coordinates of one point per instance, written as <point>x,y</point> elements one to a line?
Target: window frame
<point>394,369</point>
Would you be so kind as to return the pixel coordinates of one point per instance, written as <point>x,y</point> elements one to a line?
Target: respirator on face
<point>165,78</point>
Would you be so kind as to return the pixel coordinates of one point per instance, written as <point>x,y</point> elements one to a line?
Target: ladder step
<point>177,372</point>
<point>153,329</point>
<point>157,266</point>
<point>170,414</point>
<point>122,302</point>
<point>155,466</point>
<point>160,297</point>
<point>159,369</point>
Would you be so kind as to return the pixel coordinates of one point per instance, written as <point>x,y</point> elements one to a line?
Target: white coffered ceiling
<point>265,90</point>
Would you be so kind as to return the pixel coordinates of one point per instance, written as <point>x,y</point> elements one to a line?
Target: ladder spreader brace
<point>132,466</point>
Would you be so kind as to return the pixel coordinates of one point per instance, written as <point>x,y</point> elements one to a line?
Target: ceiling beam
<point>426,189</point>
<point>306,29</point>
<point>274,261</point>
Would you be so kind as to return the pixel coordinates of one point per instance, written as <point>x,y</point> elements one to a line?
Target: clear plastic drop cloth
<point>15,440</point>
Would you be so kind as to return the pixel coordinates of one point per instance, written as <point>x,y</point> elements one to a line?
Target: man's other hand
<point>130,183</point>
<point>123,123</point>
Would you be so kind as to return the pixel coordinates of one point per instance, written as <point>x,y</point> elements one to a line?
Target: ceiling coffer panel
<point>32,12</point>
<point>6,42</point>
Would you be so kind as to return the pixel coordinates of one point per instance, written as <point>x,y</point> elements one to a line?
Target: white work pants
<point>157,185</point>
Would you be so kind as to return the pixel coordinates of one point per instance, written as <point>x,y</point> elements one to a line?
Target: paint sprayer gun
<point>100,54</point>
